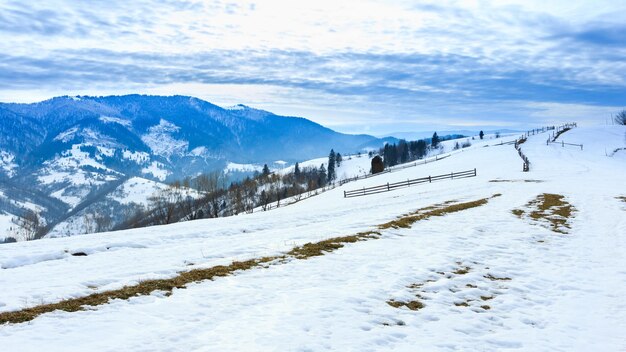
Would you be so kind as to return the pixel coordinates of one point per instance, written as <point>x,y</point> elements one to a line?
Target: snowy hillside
<point>504,260</point>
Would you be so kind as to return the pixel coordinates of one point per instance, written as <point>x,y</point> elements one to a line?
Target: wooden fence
<point>562,129</point>
<point>518,143</point>
<point>557,131</point>
<point>535,131</point>
<point>392,186</point>
<point>392,169</point>
<point>563,144</point>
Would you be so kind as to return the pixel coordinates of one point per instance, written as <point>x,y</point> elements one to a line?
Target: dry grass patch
<point>326,246</point>
<point>422,214</point>
<point>412,305</point>
<point>495,278</point>
<point>141,289</point>
<point>551,209</point>
<point>462,271</point>
<point>517,212</point>
<point>184,278</point>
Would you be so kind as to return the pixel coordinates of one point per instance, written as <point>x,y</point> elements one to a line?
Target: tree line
<point>404,152</point>
<point>210,196</point>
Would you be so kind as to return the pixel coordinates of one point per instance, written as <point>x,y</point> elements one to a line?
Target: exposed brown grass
<point>462,271</point>
<point>554,209</point>
<point>142,288</point>
<point>422,214</point>
<point>495,278</point>
<point>184,278</point>
<point>517,212</point>
<point>326,246</point>
<point>549,208</point>
<point>412,305</point>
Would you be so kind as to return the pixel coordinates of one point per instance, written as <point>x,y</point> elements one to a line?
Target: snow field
<point>564,293</point>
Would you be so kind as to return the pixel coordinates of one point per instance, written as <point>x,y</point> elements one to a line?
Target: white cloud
<point>353,65</point>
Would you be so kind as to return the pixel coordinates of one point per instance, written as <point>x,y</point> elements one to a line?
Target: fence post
<point>344,194</point>
<point>563,144</point>
<point>388,186</point>
<point>474,171</point>
<point>429,179</point>
<point>451,175</point>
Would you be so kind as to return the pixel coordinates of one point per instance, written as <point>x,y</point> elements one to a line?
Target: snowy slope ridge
<point>488,279</point>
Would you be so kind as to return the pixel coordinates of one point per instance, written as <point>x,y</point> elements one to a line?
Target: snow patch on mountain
<point>67,135</point>
<point>7,163</point>
<point>235,167</point>
<point>109,152</point>
<point>136,190</point>
<point>236,107</point>
<point>75,158</point>
<point>139,157</point>
<point>69,196</point>
<point>199,151</point>
<point>89,136</point>
<point>109,119</point>
<point>157,170</point>
<point>161,142</point>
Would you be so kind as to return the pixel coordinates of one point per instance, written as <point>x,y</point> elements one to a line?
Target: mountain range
<point>62,155</point>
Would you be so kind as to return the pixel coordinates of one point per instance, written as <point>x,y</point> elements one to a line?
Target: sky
<point>363,66</point>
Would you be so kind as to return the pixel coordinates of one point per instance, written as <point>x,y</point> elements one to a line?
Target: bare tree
<point>29,226</point>
<point>212,185</point>
<point>620,118</point>
<point>104,222</point>
<point>89,223</point>
<point>164,204</point>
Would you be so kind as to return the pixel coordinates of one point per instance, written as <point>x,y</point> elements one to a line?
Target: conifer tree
<point>434,143</point>
<point>296,171</point>
<point>331,166</point>
<point>321,181</point>
<point>481,134</point>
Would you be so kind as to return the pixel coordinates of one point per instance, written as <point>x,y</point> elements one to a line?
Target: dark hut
<point>377,164</point>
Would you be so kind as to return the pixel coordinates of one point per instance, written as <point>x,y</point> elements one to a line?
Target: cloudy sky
<point>355,66</point>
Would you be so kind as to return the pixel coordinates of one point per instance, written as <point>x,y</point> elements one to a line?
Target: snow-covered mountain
<point>66,153</point>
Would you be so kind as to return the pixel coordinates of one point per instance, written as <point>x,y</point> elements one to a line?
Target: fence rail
<point>518,143</point>
<point>562,129</point>
<point>535,131</point>
<point>392,186</point>
<point>392,169</point>
<point>563,144</point>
